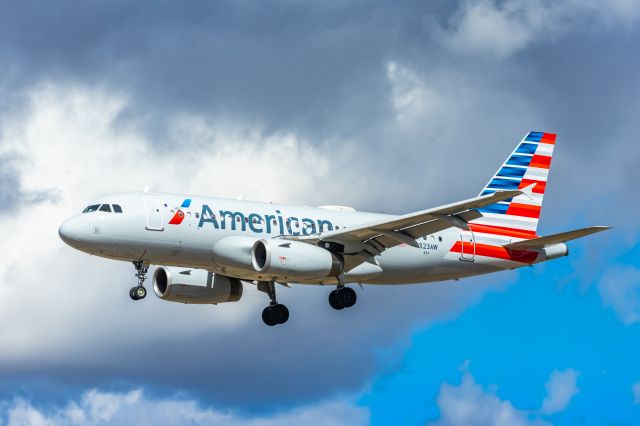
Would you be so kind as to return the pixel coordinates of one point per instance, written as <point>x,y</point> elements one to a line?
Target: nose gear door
<point>468,251</point>
<point>154,213</point>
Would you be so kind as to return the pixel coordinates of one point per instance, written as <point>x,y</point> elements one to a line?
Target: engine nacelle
<point>195,286</point>
<point>234,251</point>
<point>282,258</point>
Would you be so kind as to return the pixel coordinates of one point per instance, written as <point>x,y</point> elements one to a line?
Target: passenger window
<point>117,208</point>
<point>92,208</point>
<point>105,208</point>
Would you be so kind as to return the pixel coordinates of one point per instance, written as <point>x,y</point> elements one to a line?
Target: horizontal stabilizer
<point>563,237</point>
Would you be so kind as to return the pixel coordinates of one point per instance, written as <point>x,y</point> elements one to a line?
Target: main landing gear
<point>139,292</point>
<point>275,313</point>
<point>342,297</point>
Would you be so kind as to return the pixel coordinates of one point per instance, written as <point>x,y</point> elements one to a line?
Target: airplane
<point>206,249</point>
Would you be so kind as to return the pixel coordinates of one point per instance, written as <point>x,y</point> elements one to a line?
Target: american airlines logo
<point>258,223</point>
<point>178,217</point>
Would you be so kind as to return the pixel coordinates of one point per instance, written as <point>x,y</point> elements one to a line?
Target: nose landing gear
<point>139,292</point>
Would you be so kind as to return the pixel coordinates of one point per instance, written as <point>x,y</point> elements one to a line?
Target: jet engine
<point>234,251</point>
<point>195,286</point>
<point>282,258</point>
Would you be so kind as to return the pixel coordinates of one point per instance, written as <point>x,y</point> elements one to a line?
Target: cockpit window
<point>117,208</point>
<point>92,208</point>
<point>105,208</point>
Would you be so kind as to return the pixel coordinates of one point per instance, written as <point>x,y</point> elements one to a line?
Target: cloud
<point>500,29</point>
<point>330,103</point>
<point>70,139</point>
<point>134,407</point>
<point>561,388</point>
<point>485,27</point>
<point>635,390</point>
<point>412,99</point>
<point>469,404</point>
<point>619,288</point>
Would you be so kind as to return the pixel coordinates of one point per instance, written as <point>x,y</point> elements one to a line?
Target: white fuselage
<point>148,230</point>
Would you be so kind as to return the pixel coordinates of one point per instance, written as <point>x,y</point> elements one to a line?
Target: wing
<point>371,239</point>
<point>563,237</point>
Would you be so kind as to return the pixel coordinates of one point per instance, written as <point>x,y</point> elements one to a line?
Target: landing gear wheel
<point>347,297</point>
<point>333,300</point>
<point>275,314</point>
<point>280,313</point>
<point>141,292</point>
<point>266,317</point>
<point>132,293</point>
<point>343,297</point>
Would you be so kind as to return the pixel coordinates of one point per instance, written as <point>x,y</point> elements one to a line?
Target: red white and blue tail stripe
<point>528,165</point>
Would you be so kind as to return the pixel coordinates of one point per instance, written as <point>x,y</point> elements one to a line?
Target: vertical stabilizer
<point>527,166</point>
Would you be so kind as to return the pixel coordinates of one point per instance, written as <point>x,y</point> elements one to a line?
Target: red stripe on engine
<point>498,252</point>
<point>502,230</point>
<point>549,138</point>
<point>538,189</point>
<point>525,210</point>
<point>540,161</point>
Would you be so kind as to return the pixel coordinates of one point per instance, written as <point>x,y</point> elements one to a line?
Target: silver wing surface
<point>370,239</point>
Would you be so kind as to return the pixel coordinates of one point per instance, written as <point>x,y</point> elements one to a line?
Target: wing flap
<point>562,237</point>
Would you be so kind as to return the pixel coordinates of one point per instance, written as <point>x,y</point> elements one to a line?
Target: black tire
<point>347,297</point>
<point>132,293</point>
<point>334,302</point>
<point>141,292</point>
<point>266,317</point>
<point>280,313</point>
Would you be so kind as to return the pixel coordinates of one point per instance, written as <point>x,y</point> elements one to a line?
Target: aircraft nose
<point>71,231</point>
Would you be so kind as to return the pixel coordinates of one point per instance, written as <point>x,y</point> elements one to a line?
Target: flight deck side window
<point>105,208</point>
<point>92,208</point>
<point>117,208</point>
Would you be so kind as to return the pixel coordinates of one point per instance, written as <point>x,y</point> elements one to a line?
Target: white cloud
<point>104,408</point>
<point>64,312</point>
<point>486,27</point>
<point>471,405</point>
<point>412,99</point>
<point>500,29</point>
<point>635,390</point>
<point>52,297</point>
<point>561,388</point>
<point>619,288</point>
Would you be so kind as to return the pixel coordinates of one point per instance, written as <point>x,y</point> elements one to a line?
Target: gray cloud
<point>405,121</point>
<point>9,185</point>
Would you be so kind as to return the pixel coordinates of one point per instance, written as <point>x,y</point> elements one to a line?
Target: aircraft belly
<point>409,265</point>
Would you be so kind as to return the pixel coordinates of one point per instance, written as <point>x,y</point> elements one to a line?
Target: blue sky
<point>391,106</point>
<point>511,342</point>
